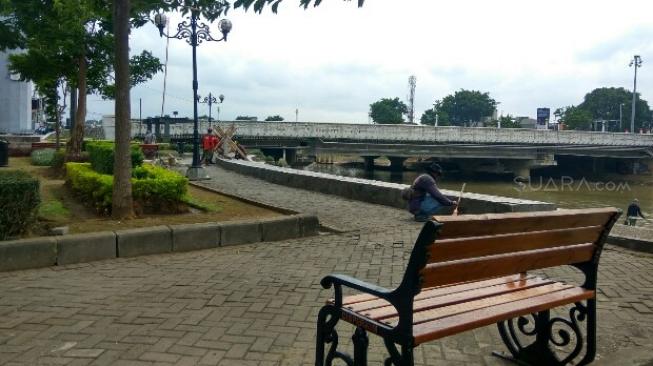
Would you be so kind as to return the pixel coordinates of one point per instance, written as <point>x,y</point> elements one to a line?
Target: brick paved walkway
<point>257,304</point>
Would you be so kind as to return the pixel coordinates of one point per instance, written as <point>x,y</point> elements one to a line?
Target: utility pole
<point>296,115</point>
<point>412,81</point>
<point>636,62</point>
<point>620,115</point>
<point>436,114</point>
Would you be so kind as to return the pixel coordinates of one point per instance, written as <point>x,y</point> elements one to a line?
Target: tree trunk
<point>74,148</point>
<point>57,125</point>
<point>122,205</point>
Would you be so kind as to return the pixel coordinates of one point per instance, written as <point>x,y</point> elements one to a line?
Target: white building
<point>15,101</point>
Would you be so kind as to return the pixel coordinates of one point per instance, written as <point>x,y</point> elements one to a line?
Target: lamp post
<point>621,105</point>
<point>211,100</point>
<point>195,33</point>
<point>637,63</point>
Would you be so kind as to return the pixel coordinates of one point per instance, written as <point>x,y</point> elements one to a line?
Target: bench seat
<point>446,310</point>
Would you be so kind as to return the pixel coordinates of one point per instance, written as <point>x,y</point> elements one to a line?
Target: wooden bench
<point>474,275</point>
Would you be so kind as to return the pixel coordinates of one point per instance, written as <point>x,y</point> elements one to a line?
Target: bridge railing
<point>403,133</point>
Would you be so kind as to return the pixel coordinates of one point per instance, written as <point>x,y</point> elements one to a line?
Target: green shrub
<point>158,189</point>
<point>153,188</point>
<point>19,202</point>
<point>92,187</point>
<point>43,157</point>
<point>101,156</point>
<point>58,160</point>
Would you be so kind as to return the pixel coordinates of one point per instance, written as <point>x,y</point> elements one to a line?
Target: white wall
<point>15,101</point>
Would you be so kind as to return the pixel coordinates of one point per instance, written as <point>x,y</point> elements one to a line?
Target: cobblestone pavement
<point>334,211</point>
<point>257,304</point>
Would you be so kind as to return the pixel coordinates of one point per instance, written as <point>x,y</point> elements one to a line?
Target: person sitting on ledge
<point>427,200</point>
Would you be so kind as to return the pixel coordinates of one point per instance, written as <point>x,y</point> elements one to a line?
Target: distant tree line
<point>476,108</point>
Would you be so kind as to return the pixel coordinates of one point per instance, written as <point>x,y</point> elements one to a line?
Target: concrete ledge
<point>142,241</point>
<point>372,191</point>
<point>27,253</point>
<point>195,236</point>
<point>632,237</point>
<point>89,247</point>
<point>234,233</point>
<point>280,229</point>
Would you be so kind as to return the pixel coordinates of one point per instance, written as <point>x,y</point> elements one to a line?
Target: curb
<point>81,248</point>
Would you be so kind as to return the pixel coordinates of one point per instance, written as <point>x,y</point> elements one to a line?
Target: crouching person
<point>426,199</point>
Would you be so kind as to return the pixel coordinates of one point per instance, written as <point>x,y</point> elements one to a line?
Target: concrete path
<point>257,304</point>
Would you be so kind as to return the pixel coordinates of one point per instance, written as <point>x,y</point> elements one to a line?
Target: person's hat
<point>434,168</point>
<point>210,130</point>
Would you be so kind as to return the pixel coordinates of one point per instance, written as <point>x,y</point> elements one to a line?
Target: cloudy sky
<point>333,61</point>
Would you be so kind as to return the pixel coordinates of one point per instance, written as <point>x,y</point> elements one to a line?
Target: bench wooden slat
<point>446,311</point>
<point>504,264</point>
<point>459,297</point>
<point>373,302</point>
<point>468,247</point>
<point>493,224</point>
<point>443,327</point>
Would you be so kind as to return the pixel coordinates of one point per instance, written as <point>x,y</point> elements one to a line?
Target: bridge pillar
<point>521,169</point>
<point>291,156</point>
<point>369,163</point>
<point>396,163</point>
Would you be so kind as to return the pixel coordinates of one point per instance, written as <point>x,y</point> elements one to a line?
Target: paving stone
<point>256,304</point>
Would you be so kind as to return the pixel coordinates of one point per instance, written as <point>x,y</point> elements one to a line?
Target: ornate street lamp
<point>211,100</point>
<point>195,33</point>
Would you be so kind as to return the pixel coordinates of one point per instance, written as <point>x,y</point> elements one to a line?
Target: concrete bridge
<point>473,149</point>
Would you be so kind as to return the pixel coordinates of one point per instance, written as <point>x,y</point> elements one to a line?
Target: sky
<point>329,63</point>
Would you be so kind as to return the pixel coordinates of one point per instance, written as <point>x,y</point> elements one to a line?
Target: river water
<point>566,192</point>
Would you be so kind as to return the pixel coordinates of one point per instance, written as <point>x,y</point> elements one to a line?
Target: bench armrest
<point>339,280</point>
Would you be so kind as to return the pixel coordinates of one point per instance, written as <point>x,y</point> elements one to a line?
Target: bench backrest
<point>474,247</point>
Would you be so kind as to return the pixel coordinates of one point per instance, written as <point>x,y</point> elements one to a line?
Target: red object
<point>209,142</point>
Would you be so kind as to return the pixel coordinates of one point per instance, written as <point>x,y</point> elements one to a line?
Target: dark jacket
<point>423,185</point>
<point>634,211</point>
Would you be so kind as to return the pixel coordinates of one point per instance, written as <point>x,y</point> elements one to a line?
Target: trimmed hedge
<point>43,157</point>
<point>58,161</point>
<point>101,156</point>
<point>153,188</point>
<point>19,202</point>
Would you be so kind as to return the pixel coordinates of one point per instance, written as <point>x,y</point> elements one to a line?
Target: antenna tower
<point>412,81</point>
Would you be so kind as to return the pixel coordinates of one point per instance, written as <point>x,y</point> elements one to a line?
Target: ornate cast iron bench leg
<point>361,342</point>
<point>541,326</point>
<point>405,358</point>
<point>326,333</point>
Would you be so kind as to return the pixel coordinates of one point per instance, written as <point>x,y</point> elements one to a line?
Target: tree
<point>139,14</point>
<point>428,118</point>
<point>70,41</point>
<point>603,104</point>
<point>465,107</point>
<point>506,122</point>
<point>122,202</point>
<point>275,118</point>
<point>575,118</point>
<point>388,111</point>
<point>259,5</point>
<point>246,118</point>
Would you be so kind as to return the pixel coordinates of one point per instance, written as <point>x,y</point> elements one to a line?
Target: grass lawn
<point>59,207</point>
